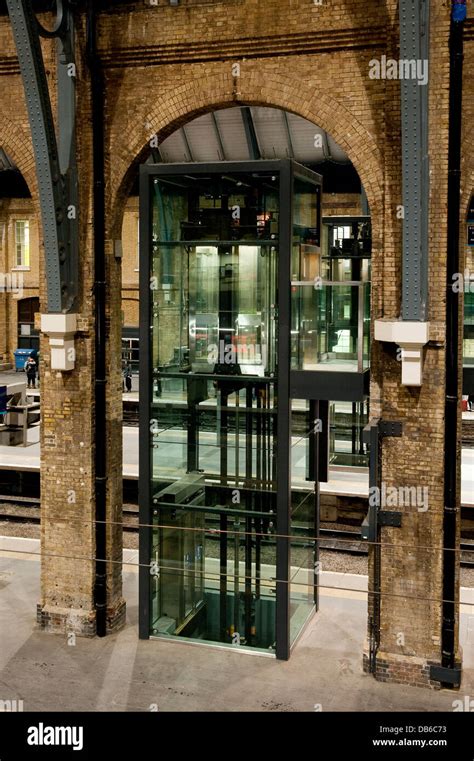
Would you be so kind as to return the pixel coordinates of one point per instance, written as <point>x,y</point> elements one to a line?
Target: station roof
<point>246,133</point>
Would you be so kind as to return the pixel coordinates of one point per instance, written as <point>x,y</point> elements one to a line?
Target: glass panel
<point>330,326</point>
<point>346,252</point>
<point>213,341</point>
<point>348,237</point>
<point>468,343</point>
<point>366,327</point>
<point>306,210</point>
<point>303,522</point>
<point>208,585</point>
<point>347,421</point>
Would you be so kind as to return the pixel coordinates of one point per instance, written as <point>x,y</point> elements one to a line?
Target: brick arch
<point>201,95</point>
<point>17,144</point>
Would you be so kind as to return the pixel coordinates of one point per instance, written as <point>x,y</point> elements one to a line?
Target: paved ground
<point>11,376</point>
<point>121,672</point>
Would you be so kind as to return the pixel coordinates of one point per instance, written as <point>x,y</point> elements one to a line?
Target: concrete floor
<point>121,672</point>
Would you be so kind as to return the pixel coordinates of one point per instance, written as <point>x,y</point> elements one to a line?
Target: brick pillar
<point>68,442</point>
<point>411,556</point>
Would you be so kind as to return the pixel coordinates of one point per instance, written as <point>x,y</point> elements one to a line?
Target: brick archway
<point>130,147</point>
<point>16,142</point>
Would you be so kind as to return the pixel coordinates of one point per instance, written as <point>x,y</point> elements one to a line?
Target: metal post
<point>284,417</point>
<point>97,96</point>
<point>451,491</point>
<point>360,328</point>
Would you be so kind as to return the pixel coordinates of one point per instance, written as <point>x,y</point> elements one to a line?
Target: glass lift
<point>468,328</point>
<point>230,441</point>
<point>347,250</point>
<point>468,339</point>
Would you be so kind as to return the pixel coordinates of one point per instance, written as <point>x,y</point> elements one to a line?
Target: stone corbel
<point>411,337</point>
<point>61,329</point>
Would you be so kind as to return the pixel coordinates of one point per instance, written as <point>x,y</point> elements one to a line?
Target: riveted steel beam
<point>286,124</point>
<point>250,134</point>
<point>55,169</point>
<point>218,137</point>
<point>414,76</point>
<point>186,144</point>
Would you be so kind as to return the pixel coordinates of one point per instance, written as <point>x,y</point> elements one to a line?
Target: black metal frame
<point>449,673</point>
<point>287,386</point>
<point>145,396</point>
<point>54,159</point>
<point>283,456</point>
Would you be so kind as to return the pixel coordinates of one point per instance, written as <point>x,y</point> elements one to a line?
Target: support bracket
<point>389,518</point>
<point>446,675</point>
<point>411,337</point>
<point>390,428</point>
<point>372,435</point>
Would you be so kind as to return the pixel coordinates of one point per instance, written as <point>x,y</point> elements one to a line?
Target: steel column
<point>283,437</point>
<point>56,202</point>
<point>250,134</point>
<point>414,51</point>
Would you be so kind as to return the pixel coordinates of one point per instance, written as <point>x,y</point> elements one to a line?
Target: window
<point>22,243</point>
<point>28,336</point>
<point>130,348</point>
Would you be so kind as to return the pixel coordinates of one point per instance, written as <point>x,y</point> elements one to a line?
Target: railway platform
<point>349,482</point>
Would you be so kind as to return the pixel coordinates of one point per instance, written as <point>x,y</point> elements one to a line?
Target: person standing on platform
<point>30,369</point>
<point>127,374</point>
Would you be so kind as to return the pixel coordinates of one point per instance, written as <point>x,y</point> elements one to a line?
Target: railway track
<point>27,510</point>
